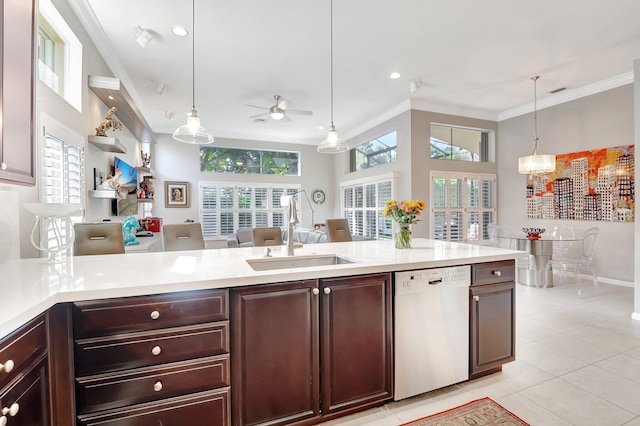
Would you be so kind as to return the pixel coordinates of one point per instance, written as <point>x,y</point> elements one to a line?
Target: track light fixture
<point>142,36</point>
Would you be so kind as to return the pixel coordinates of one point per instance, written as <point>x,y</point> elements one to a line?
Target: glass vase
<point>403,237</point>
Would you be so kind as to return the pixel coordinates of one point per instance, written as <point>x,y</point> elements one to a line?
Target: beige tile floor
<point>577,363</point>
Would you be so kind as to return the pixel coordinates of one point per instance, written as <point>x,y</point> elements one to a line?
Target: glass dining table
<point>530,271</point>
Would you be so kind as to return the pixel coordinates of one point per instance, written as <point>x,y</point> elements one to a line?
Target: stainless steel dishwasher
<point>431,328</point>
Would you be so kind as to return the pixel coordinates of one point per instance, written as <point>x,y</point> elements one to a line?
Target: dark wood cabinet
<point>309,351</point>
<point>492,317</point>
<point>24,381</point>
<point>152,360</point>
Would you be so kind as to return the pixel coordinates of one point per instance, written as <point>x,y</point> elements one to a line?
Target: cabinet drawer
<point>111,316</point>
<point>209,408</point>
<point>21,347</point>
<point>150,384</point>
<point>493,272</point>
<point>132,350</point>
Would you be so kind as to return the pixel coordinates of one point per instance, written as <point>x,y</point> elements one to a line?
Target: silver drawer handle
<point>476,298</point>
<point>156,350</point>
<point>7,366</point>
<point>155,315</point>
<point>327,290</point>
<point>497,273</point>
<point>315,291</point>
<point>12,411</point>
<point>157,386</point>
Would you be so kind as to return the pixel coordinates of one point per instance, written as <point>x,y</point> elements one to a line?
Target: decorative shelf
<point>102,193</point>
<point>143,169</point>
<point>113,94</point>
<point>145,200</point>
<point>108,144</point>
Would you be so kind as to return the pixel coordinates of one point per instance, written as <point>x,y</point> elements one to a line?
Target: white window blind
<point>462,205</point>
<point>226,208</point>
<point>61,174</point>
<point>362,205</point>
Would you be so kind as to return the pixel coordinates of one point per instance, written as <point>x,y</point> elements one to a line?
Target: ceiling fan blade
<point>256,106</point>
<point>299,112</point>
<point>259,115</point>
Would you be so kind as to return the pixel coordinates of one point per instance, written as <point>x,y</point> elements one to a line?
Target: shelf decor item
<point>404,214</point>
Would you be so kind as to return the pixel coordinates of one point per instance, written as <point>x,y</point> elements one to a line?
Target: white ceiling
<point>474,58</point>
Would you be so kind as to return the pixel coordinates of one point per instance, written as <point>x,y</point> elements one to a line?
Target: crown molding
<point>570,95</point>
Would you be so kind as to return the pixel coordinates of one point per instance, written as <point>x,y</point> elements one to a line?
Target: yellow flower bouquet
<point>404,213</point>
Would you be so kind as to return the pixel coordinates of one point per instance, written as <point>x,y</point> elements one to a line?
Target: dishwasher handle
<point>435,282</point>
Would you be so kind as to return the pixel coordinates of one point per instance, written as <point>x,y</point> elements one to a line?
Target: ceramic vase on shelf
<point>403,236</point>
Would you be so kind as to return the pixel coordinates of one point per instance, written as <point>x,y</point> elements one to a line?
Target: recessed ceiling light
<point>179,31</point>
<point>320,127</point>
<point>110,97</point>
<point>394,75</point>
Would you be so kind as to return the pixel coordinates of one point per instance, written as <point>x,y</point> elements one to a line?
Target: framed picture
<point>176,194</point>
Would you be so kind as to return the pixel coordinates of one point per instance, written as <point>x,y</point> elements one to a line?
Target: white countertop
<point>30,286</point>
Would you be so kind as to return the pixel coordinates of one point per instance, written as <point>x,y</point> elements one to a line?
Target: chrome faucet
<point>293,219</point>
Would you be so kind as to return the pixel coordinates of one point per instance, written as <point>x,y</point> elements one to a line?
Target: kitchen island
<point>196,284</point>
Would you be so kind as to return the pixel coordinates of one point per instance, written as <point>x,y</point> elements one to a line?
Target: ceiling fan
<point>278,111</point>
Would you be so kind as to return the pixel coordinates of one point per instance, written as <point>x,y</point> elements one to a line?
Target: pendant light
<point>193,132</point>
<point>536,163</point>
<point>332,144</point>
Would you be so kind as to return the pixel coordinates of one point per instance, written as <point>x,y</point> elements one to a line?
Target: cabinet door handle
<point>12,411</point>
<point>497,273</point>
<point>7,366</point>
<point>327,290</point>
<point>315,291</point>
<point>476,298</point>
<point>157,386</point>
<point>156,350</point>
<point>155,315</point>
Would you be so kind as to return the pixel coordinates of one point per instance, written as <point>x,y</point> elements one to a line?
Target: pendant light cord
<point>535,113</point>
<point>193,55</point>
<point>331,55</point>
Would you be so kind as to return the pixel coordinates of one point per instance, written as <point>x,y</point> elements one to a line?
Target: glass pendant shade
<point>536,163</point>
<point>332,144</point>
<point>193,132</point>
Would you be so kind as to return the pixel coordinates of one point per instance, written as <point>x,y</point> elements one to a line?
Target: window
<point>61,172</point>
<point>382,150</point>
<point>59,55</point>
<point>362,205</point>
<point>463,205</point>
<point>230,160</point>
<point>457,143</point>
<point>226,207</point>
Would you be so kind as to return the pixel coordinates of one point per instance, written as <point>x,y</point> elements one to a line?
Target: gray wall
<point>82,123</point>
<point>597,121</point>
<point>413,165</point>
<point>636,239</point>
<point>176,161</point>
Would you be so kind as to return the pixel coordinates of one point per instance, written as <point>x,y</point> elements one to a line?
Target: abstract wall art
<point>586,185</point>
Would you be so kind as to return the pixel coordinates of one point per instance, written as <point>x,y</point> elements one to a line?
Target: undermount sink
<point>271,263</point>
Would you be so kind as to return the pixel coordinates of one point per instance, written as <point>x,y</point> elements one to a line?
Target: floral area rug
<point>481,412</point>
